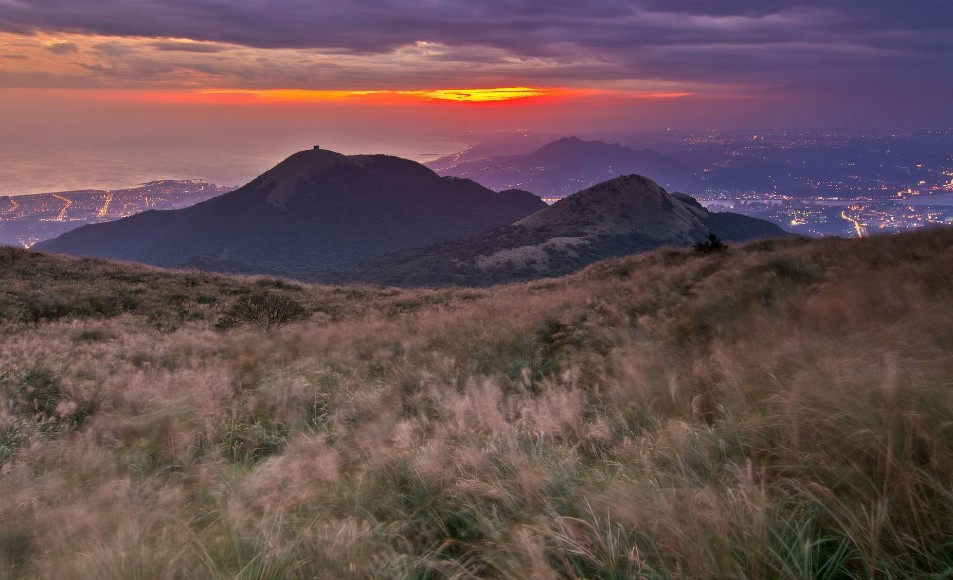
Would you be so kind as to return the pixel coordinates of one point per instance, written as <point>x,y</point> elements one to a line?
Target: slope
<point>781,410</point>
<point>567,165</point>
<point>618,217</point>
<point>315,211</point>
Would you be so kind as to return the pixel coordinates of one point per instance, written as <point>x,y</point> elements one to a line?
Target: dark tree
<point>265,310</point>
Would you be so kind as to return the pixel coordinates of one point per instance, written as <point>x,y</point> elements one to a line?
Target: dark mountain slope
<point>622,216</point>
<point>315,211</point>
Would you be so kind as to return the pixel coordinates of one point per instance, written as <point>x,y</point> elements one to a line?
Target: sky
<point>105,93</point>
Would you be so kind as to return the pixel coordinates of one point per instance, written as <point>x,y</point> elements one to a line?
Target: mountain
<point>562,167</point>
<point>318,210</point>
<point>618,217</point>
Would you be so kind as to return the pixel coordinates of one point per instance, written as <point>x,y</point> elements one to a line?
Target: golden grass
<point>784,410</point>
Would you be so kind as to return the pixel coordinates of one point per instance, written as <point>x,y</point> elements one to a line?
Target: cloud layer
<point>728,41</point>
<point>885,60</point>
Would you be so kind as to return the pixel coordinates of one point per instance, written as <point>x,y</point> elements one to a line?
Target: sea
<point>53,167</point>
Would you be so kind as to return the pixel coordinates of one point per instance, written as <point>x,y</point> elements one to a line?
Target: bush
<point>711,245</point>
<point>264,310</point>
<point>10,254</point>
<point>42,308</point>
<point>92,335</point>
<point>206,299</point>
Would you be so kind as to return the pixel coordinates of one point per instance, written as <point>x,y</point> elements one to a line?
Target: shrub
<point>92,335</point>
<point>277,283</point>
<point>10,254</point>
<point>264,310</point>
<point>711,245</point>
<point>206,299</point>
<point>41,307</point>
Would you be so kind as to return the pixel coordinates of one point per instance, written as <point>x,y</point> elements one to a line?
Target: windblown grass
<point>782,410</point>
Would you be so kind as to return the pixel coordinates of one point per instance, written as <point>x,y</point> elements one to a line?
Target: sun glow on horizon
<point>288,95</point>
<point>483,95</point>
<point>480,95</point>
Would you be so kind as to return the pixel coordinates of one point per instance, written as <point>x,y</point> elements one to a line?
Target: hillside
<point>317,210</point>
<point>622,216</point>
<point>567,165</point>
<point>781,410</point>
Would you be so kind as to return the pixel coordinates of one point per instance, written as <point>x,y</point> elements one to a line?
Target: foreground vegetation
<point>782,409</point>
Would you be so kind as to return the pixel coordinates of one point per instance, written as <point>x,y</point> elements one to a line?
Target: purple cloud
<point>170,46</point>
<point>849,45</point>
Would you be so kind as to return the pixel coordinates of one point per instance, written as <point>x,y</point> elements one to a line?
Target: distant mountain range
<point>618,217</point>
<point>315,212</point>
<point>28,219</point>
<point>567,165</point>
<point>324,216</point>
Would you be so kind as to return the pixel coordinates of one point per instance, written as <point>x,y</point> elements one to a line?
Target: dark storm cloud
<point>381,25</point>
<point>923,11</point>
<point>773,41</point>
<point>368,25</point>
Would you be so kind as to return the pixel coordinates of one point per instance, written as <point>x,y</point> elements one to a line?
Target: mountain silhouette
<point>567,165</point>
<point>618,217</point>
<point>315,211</point>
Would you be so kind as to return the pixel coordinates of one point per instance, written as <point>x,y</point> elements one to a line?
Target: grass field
<point>780,410</point>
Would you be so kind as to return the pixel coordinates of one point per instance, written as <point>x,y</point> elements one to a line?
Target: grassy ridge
<point>781,410</point>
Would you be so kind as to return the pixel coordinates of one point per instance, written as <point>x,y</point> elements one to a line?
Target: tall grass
<point>781,410</point>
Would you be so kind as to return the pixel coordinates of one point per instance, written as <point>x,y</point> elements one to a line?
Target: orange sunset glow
<point>479,96</point>
<point>482,95</point>
<point>221,97</point>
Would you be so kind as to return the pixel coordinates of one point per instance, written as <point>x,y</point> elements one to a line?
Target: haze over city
<point>101,94</point>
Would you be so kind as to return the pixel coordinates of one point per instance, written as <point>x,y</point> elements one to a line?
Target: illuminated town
<point>823,183</point>
<point>846,218</point>
<point>28,219</point>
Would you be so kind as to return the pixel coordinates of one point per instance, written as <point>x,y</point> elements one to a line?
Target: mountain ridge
<point>621,216</point>
<point>562,167</point>
<point>314,211</point>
